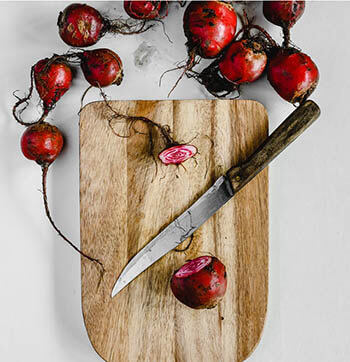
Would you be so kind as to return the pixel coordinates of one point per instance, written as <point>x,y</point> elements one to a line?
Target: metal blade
<point>176,232</point>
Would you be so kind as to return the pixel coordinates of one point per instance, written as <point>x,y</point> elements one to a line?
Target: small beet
<point>146,10</point>
<point>176,155</point>
<point>292,74</point>
<point>52,77</point>
<point>42,143</point>
<point>101,67</point>
<point>209,27</point>
<point>200,283</point>
<point>244,62</point>
<point>80,25</point>
<point>283,13</point>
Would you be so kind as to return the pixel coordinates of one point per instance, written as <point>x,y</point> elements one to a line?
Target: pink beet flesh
<point>193,266</point>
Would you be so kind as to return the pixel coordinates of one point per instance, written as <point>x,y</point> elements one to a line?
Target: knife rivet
<point>237,178</point>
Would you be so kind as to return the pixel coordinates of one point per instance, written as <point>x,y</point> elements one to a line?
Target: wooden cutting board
<point>126,199</point>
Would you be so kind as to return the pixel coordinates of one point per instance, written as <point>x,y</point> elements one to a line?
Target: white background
<point>309,310</point>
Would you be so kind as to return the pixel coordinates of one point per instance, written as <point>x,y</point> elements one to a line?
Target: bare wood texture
<point>126,199</point>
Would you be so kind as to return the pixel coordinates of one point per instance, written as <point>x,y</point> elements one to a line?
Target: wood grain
<point>126,199</point>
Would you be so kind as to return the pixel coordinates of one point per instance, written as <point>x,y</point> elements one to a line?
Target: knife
<point>221,192</point>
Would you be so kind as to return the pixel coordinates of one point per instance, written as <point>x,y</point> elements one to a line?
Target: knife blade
<point>219,194</point>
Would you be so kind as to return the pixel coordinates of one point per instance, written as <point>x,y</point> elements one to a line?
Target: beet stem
<point>163,129</point>
<point>47,211</point>
<point>25,100</point>
<point>286,37</point>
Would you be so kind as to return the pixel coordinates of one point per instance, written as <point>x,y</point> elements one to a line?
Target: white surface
<point>308,315</point>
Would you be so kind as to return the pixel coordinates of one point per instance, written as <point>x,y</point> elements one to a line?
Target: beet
<point>176,155</point>
<point>243,62</point>
<point>146,10</point>
<point>81,25</point>
<point>292,74</point>
<point>42,143</point>
<point>101,67</point>
<point>200,283</point>
<point>209,27</point>
<point>52,78</point>
<point>283,13</point>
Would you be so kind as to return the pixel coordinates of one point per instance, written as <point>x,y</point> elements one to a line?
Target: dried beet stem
<point>48,214</point>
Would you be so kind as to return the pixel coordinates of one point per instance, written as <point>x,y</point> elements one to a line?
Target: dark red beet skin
<point>283,13</point>
<point>101,67</point>
<point>200,283</point>
<point>243,62</point>
<point>146,10</point>
<point>292,74</point>
<point>80,25</point>
<point>52,79</point>
<point>209,27</point>
<point>42,143</point>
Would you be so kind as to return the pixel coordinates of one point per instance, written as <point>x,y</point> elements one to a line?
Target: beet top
<point>200,283</point>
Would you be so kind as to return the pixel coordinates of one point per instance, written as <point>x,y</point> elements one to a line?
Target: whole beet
<point>52,77</point>
<point>42,143</point>
<point>80,25</point>
<point>292,74</point>
<point>209,27</point>
<point>243,62</point>
<point>101,67</point>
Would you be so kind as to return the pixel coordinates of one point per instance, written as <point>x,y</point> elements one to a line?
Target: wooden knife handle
<point>294,125</point>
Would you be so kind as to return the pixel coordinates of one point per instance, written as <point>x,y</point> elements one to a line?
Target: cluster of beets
<point>242,57</point>
<point>210,27</point>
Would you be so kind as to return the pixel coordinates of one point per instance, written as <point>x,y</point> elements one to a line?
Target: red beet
<point>146,10</point>
<point>81,25</point>
<point>292,74</point>
<point>52,79</point>
<point>178,154</point>
<point>42,143</point>
<point>283,13</point>
<point>102,67</point>
<point>200,283</point>
<point>209,27</point>
<point>244,62</point>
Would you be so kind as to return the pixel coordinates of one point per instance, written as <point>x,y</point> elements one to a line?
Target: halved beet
<point>178,154</point>
<point>200,283</point>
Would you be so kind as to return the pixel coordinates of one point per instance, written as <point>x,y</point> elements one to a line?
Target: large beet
<point>293,74</point>
<point>200,283</point>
